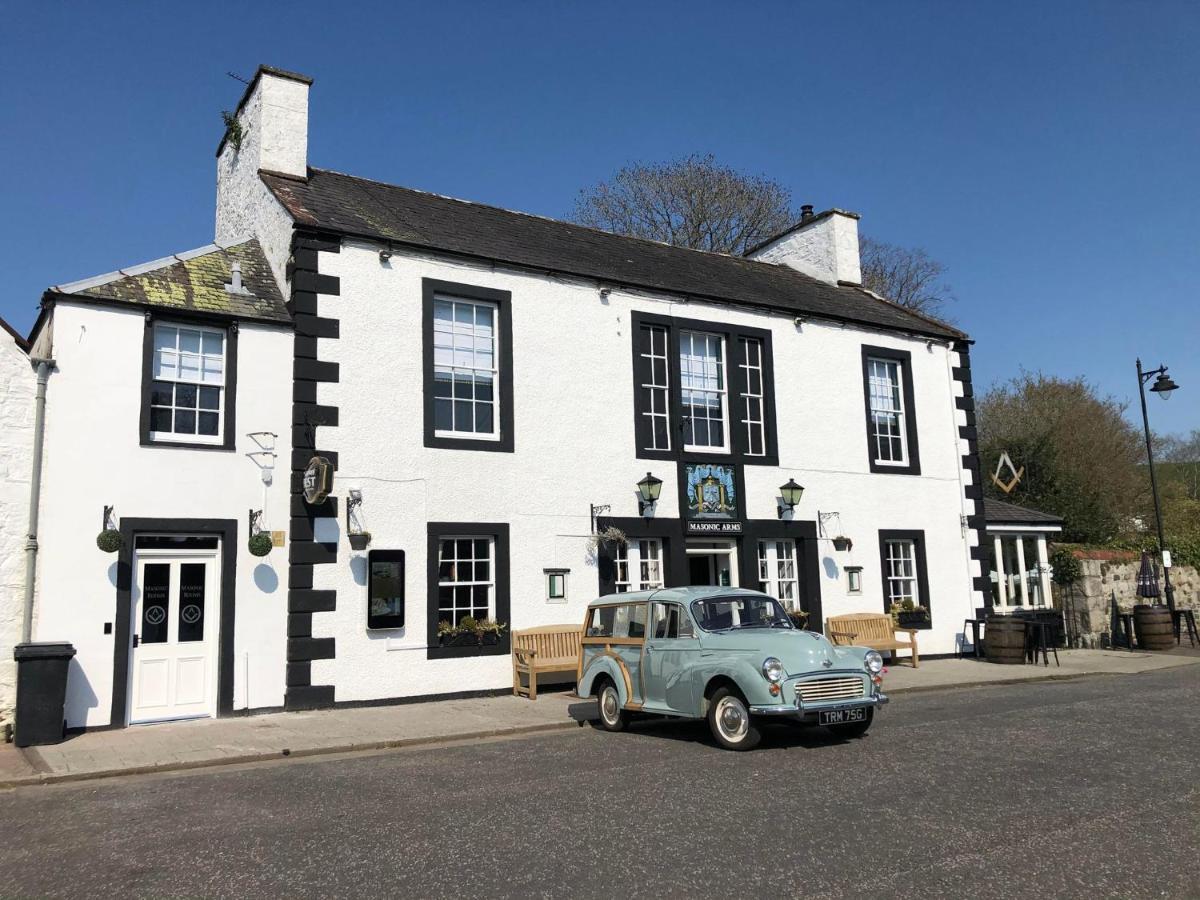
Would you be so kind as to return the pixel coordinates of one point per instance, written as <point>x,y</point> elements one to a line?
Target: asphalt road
<point>1070,789</point>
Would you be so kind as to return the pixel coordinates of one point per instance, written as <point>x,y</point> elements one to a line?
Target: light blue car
<point>725,654</point>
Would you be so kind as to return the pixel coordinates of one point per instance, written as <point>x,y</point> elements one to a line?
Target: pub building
<point>367,418</point>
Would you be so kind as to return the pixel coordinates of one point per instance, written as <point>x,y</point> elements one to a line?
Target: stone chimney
<point>823,245</point>
<point>269,134</point>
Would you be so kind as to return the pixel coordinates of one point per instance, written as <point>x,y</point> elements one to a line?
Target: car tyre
<point>853,730</point>
<point>612,716</point>
<point>730,721</point>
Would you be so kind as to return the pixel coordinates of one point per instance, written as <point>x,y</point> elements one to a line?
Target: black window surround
<point>498,531</point>
<point>229,432</point>
<point>735,380</point>
<point>918,541</point>
<point>904,358</point>
<point>503,301</point>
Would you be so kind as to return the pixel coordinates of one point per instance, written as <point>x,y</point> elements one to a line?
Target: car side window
<point>669,621</point>
<point>625,621</point>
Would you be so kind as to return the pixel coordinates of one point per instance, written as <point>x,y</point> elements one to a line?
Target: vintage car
<point>725,654</point>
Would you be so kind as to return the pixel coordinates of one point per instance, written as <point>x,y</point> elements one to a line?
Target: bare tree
<point>692,202</point>
<point>906,275</point>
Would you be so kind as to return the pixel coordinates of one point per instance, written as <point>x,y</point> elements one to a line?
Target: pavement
<point>202,743</point>
<point>1068,789</point>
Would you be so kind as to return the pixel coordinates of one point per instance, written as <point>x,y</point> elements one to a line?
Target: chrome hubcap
<point>608,705</point>
<point>732,719</point>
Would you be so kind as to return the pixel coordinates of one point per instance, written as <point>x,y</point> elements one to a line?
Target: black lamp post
<point>1163,386</point>
<point>791,494</point>
<point>649,488</point>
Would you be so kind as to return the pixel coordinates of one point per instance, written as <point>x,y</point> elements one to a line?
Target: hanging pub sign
<point>711,499</point>
<point>318,480</point>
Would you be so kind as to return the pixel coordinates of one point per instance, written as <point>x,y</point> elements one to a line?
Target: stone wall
<point>1087,606</point>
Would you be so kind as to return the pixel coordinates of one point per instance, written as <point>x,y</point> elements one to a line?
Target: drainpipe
<point>35,493</point>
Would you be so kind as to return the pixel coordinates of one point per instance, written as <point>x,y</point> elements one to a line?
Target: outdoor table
<point>1188,617</point>
<point>975,624</point>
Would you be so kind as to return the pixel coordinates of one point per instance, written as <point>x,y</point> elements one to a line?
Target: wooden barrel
<point>1154,628</point>
<point>1004,640</point>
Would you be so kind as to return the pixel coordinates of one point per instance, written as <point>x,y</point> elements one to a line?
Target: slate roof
<point>997,512</point>
<point>192,282</point>
<point>377,211</point>
<point>15,335</point>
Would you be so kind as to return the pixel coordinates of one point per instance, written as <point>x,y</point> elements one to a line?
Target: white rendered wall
<point>17,386</point>
<point>93,457</point>
<point>574,419</point>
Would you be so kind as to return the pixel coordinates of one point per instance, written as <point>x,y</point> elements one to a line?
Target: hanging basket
<point>109,540</point>
<point>359,541</point>
<point>260,544</point>
<point>841,543</point>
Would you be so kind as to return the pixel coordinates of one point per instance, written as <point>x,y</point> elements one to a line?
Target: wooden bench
<point>874,630</point>
<point>547,648</point>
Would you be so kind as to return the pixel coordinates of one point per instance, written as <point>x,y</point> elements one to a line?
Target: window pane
<point>483,418</point>
<point>212,343</point>
<point>166,365</point>
<point>161,393</point>
<point>165,337</point>
<point>463,420</point>
<point>189,341</point>
<point>189,366</point>
<point>442,420</point>
<point>208,423</point>
<point>185,395</point>
<point>160,419</point>
<point>156,602</point>
<point>210,398</point>
<point>191,601</point>
<point>185,421</point>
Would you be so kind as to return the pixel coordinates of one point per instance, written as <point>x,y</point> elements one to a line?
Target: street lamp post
<point>1163,385</point>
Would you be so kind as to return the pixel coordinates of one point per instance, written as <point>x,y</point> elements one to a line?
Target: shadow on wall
<point>358,569</point>
<point>112,574</point>
<point>831,567</point>
<point>266,579</point>
<point>80,696</point>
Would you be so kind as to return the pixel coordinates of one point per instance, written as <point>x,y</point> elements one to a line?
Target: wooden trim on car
<point>595,640</point>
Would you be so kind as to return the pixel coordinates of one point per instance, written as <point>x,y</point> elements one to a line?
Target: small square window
<point>556,585</point>
<point>854,579</point>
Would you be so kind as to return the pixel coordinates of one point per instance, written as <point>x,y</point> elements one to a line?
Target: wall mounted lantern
<point>791,494</point>
<point>358,536</point>
<point>649,488</point>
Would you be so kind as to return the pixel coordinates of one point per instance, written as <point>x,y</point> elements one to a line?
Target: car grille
<point>824,690</point>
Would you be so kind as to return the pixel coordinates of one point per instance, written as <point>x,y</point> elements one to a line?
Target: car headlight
<point>772,669</point>
<point>873,661</point>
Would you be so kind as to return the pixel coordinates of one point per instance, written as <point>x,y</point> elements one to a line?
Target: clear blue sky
<point>1048,153</point>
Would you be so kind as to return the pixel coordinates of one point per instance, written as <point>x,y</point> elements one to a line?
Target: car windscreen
<point>739,611</point>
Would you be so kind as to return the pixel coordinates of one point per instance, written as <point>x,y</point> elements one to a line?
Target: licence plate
<point>841,716</point>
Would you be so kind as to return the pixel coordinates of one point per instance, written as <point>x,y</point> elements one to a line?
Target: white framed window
<point>466,578</point>
<point>556,585</point>
<point>853,579</point>
<point>187,389</point>
<point>704,391</point>
<point>656,392</point>
<point>777,571</point>
<point>638,565</point>
<point>901,574</point>
<point>465,368</point>
<point>753,397</point>
<point>885,388</point>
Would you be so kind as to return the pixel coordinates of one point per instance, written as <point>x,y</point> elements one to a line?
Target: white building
<point>490,387</point>
<point>16,446</point>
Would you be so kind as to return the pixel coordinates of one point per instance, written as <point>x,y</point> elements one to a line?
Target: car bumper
<point>798,710</point>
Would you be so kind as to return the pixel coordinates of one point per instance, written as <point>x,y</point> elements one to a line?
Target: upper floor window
<point>468,367</point>
<point>188,380</point>
<point>891,419</point>
<point>464,368</point>
<point>703,385</point>
<point>702,389</point>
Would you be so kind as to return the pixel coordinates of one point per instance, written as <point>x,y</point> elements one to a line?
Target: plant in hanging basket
<point>109,540</point>
<point>260,544</point>
<point>359,541</point>
<point>842,543</point>
<point>610,535</point>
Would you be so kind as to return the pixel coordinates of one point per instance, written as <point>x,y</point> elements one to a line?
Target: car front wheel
<point>729,719</point>
<point>853,729</point>
<point>612,717</point>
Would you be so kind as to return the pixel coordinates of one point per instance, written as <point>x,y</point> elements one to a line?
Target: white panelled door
<point>173,658</point>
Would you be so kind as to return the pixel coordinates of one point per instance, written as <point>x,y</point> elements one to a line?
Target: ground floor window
<point>1018,570</point>
<point>637,565</point>
<point>466,583</point>
<point>905,577</point>
<point>901,573</point>
<point>777,571</point>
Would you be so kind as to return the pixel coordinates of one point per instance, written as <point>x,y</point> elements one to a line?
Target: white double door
<point>173,653</point>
